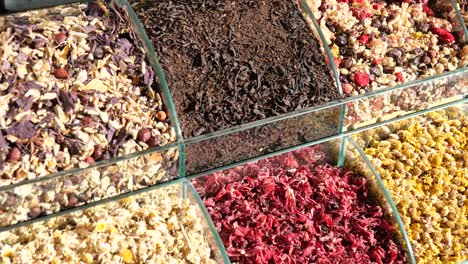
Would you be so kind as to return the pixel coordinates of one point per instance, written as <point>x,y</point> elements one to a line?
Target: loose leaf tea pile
<point>232,62</point>
<point>285,213</point>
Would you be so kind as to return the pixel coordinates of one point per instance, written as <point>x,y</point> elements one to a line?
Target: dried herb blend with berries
<point>75,88</point>
<point>232,62</point>
<point>278,211</point>
<point>379,44</point>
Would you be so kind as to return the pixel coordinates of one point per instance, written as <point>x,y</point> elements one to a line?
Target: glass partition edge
<point>207,217</point>
<point>157,66</point>
<point>389,199</point>
<point>91,204</point>
<point>460,18</point>
<point>315,142</point>
<point>331,60</point>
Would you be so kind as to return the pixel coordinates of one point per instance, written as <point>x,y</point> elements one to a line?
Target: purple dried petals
<point>280,211</point>
<point>22,130</point>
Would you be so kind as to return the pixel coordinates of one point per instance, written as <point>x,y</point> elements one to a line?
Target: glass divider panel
<point>153,58</point>
<point>459,21</point>
<point>356,160</point>
<point>306,6</point>
<point>261,138</point>
<point>216,245</point>
<point>406,99</point>
<point>29,200</point>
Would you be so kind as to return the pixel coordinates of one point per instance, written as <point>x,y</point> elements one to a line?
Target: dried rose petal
<point>284,212</point>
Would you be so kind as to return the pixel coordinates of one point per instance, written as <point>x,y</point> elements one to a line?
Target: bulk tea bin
<point>160,224</point>
<point>393,58</point>
<point>296,206</point>
<point>422,163</point>
<point>91,121</point>
<point>207,150</point>
<point>212,147</point>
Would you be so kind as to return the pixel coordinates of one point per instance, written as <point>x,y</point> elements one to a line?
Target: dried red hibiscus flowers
<point>280,211</point>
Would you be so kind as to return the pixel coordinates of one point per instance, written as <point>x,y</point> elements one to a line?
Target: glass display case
<point>343,129</point>
<point>82,128</point>
<point>422,163</point>
<point>160,224</point>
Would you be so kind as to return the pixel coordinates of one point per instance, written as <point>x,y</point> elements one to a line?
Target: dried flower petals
<point>73,78</point>
<point>154,227</point>
<point>423,162</point>
<point>276,211</point>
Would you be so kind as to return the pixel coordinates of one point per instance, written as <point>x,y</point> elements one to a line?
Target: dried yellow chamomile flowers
<point>154,227</point>
<point>424,164</point>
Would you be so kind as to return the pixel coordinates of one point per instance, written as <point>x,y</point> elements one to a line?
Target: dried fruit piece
<point>154,141</point>
<point>428,10</point>
<point>161,115</point>
<point>363,39</point>
<point>144,134</point>
<point>97,153</point>
<point>399,76</point>
<point>361,79</point>
<point>444,35</point>
<point>347,88</point>
<point>60,37</point>
<point>15,154</point>
<point>61,73</point>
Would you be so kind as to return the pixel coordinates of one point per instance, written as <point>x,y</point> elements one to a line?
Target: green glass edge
<point>409,248</point>
<point>331,60</point>
<point>460,18</point>
<point>338,103</point>
<point>25,5</point>
<point>91,204</point>
<point>269,155</point>
<point>208,219</point>
<point>156,65</point>
<point>96,165</point>
<point>329,138</point>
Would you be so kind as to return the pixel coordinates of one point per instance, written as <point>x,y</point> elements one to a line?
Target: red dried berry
<point>376,6</point>
<point>337,61</point>
<point>361,13</point>
<point>361,79</point>
<point>399,76</point>
<point>343,1</point>
<point>61,73</point>
<point>377,61</point>
<point>15,154</point>
<point>144,134</point>
<point>60,37</point>
<point>428,10</point>
<point>89,160</point>
<point>363,39</point>
<point>347,88</point>
<point>444,35</point>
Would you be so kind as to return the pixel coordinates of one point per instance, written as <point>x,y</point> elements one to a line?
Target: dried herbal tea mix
<point>74,88</point>
<point>424,164</point>
<point>154,227</point>
<point>378,44</point>
<point>276,211</point>
<point>232,62</point>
